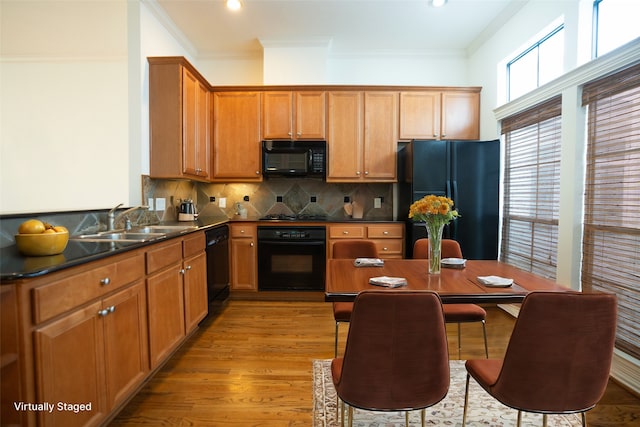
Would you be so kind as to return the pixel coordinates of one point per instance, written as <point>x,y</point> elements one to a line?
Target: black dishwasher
<point>217,263</point>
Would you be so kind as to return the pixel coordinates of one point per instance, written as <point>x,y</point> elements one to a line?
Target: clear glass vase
<point>434,233</point>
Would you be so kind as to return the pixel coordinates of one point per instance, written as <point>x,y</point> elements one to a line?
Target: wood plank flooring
<point>249,364</point>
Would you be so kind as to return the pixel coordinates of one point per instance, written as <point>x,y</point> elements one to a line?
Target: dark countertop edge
<point>323,221</point>
<point>8,277</point>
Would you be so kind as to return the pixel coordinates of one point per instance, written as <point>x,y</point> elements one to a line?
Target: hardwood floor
<point>249,364</point>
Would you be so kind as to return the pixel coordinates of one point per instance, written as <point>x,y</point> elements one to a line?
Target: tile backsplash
<point>272,196</point>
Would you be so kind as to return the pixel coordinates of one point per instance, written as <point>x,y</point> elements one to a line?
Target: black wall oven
<point>291,258</point>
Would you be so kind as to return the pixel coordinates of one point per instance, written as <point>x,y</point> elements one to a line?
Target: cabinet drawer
<point>243,231</point>
<point>388,247</point>
<point>346,232</point>
<point>388,231</point>
<point>192,244</point>
<point>65,294</point>
<point>164,255</point>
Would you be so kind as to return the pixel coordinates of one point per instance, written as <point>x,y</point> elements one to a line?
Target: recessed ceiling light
<point>438,3</point>
<point>234,4</point>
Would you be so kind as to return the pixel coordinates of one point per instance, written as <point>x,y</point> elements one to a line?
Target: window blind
<point>611,242</point>
<point>532,188</point>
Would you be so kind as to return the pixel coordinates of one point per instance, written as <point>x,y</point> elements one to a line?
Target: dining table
<point>344,280</point>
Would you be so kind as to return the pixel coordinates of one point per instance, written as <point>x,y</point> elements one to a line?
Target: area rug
<point>483,410</point>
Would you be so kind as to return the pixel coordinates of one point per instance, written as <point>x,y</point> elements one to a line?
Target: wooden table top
<point>344,280</point>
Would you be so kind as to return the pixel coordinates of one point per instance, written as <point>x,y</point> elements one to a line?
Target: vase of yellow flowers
<point>435,212</point>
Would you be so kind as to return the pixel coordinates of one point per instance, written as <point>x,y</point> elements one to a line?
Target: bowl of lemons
<point>38,238</point>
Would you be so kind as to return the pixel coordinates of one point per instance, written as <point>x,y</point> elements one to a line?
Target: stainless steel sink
<point>123,236</point>
<point>165,229</point>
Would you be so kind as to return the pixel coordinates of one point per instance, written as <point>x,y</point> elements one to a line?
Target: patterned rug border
<point>483,410</point>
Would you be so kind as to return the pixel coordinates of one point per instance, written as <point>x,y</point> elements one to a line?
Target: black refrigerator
<point>467,172</point>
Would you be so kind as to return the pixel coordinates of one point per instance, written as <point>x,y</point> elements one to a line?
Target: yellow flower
<point>433,209</point>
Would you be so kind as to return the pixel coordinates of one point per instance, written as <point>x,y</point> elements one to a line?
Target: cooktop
<point>293,217</point>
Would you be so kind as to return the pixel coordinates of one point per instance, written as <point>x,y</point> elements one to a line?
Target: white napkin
<point>388,282</point>
<point>497,281</point>
<point>368,262</point>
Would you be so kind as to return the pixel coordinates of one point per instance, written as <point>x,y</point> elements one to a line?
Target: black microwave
<point>294,158</point>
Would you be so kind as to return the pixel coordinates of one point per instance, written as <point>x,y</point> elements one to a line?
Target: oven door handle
<point>292,242</point>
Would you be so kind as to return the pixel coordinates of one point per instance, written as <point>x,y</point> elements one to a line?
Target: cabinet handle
<point>106,311</point>
<point>385,232</point>
<point>289,133</point>
<point>444,135</point>
<point>188,267</point>
<point>251,244</point>
<point>345,232</point>
<point>182,271</point>
<point>257,172</point>
<point>358,173</point>
<point>435,135</point>
<point>366,172</point>
<point>241,231</point>
<point>105,281</point>
<point>385,249</point>
<point>299,133</point>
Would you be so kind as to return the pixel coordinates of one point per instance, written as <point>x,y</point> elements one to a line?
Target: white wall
<point>63,96</point>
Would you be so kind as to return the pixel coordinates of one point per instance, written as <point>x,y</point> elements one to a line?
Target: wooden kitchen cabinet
<point>388,237</point>
<point>236,136</point>
<point>244,257</point>
<point>194,271</point>
<point>165,300</point>
<point>293,115</point>
<point>450,114</point>
<point>180,121</point>
<point>96,351</point>
<point>362,136</point>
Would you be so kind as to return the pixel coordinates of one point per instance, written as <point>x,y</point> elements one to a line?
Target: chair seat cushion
<point>463,313</point>
<point>484,371</point>
<point>342,311</point>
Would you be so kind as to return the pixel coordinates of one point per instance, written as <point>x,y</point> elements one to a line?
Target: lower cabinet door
<point>196,305</point>
<point>126,345</point>
<point>70,369</point>
<point>165,305</point>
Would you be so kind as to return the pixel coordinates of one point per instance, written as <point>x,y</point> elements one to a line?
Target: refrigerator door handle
<point>454,224</point>
<point>448,189</point>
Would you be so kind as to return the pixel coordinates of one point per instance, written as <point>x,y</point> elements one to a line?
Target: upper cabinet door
<point>380,135</point>
<point>179,116</point>
<point>344,140</point>
<point>310,115</point>
<point>236,136</point>
<point>460,115</point>
<point>449,114</point>
<point>277,115</point>
<point>293,115</point>
<point>419,115</point>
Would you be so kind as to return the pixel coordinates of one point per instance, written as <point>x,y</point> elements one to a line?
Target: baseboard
<point>512,309</point>
<point>625,370</point>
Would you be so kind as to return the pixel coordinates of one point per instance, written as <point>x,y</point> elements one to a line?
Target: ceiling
<point>363,26</point>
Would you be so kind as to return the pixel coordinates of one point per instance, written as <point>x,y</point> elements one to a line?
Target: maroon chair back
<point>559,355</point>
<point>396,356</point>
<point>450,249</point>
<point>354,249</point>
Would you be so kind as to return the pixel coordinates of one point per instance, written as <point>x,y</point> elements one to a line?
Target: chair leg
<point>423,413</point>
<point>459,342</point>
<point>350,416</point>
<point>584,419</point>
<point>466,401</point>
<point>519,418</point>
<point>335,350</point>
<point>484,332</point>
<point>406,418</point>
<point>544,420</point>
<point>341,409</point>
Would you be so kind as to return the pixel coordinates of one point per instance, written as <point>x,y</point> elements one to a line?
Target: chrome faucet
<point>112,218</point>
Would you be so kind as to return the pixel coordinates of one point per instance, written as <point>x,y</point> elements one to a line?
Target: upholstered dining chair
<point>558,357</point>
<point>455,313</point>
<point>396,357</point>
<point>349,249</point>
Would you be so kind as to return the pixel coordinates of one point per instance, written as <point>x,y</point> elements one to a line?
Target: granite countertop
<point>15,266</point>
